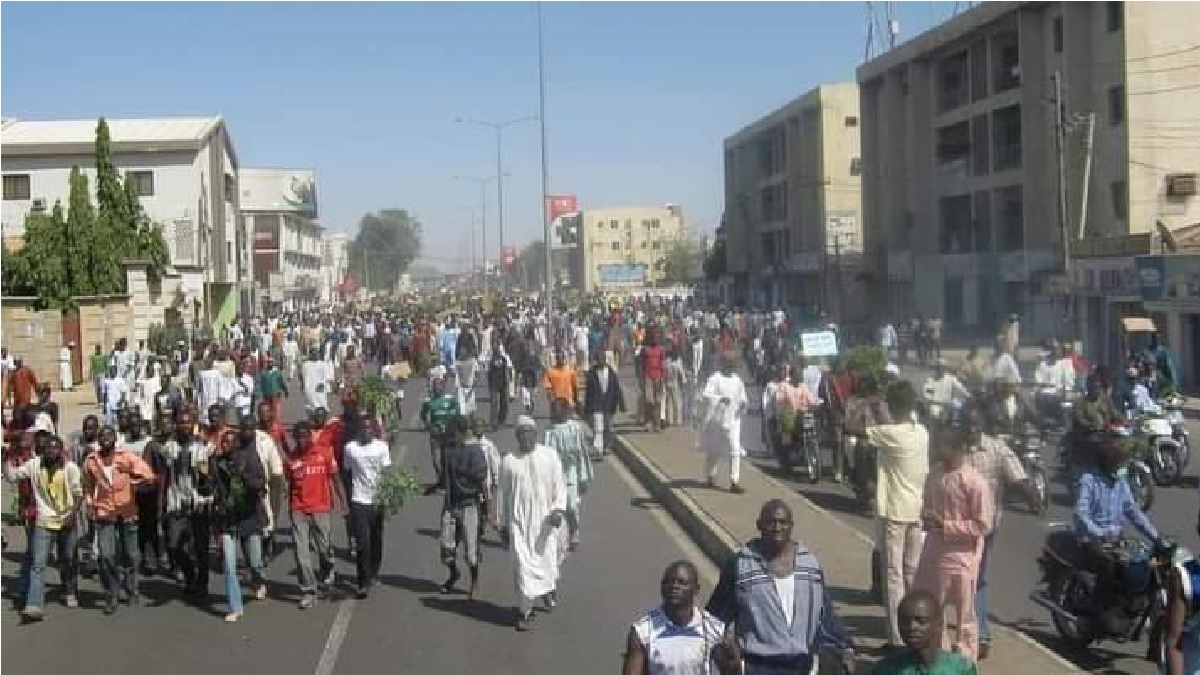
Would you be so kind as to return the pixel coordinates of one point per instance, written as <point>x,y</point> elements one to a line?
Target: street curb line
<point>718,543</point>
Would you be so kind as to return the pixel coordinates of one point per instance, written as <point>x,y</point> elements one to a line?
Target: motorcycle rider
<point>1092,417</point>
<point>1103,506</point>
<point>943,391</point>
<point>1009,410</point>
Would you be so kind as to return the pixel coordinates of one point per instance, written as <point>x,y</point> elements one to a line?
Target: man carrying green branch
<point>437,412</point>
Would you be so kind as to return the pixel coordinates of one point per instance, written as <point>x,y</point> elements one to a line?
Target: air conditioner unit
<point>38,204</point>
<point>1181,185</point>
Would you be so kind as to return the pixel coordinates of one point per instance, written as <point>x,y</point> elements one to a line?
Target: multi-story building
<point>623,248</point>
<point>335,264</point>
<point>792,203</point>
<point>186,174</point>
<point>280,207</point>
<point>961,190</point>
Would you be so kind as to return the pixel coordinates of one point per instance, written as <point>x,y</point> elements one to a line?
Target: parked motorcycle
<point>1069,590</point>
<point>1172,407</point>
<point>1028,447</point>
<point>805,448</point>
<point>1153,441</point>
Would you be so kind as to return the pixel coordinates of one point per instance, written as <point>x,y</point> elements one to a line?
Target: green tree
<point>681,261</point>
<point>81,252</point>
<point>386,244</point>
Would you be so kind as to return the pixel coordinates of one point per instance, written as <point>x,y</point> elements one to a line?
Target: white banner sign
<point>823,343</point>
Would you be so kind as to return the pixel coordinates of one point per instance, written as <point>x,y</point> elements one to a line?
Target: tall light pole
<point>549,300</point>
<point>482,182</point>
<point>499,128</point>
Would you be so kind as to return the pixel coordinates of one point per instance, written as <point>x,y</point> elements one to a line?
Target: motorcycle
<point>1069,591</point>
<point>1028,447</point>
<point>1172,407</point>
<point>806,448</point>
<point>1153,441</point>
<point>1135,471</point>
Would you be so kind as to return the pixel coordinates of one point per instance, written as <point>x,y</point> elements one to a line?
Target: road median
<point>671,470</point>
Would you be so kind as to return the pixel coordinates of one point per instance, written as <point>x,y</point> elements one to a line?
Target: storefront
<point>1107,291</point>
<point>1170,290</point>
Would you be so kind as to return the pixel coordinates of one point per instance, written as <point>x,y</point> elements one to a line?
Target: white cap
<point>525,421</point>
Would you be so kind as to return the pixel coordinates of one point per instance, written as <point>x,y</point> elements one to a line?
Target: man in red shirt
<point>653,380</point>
<point>312,476</point>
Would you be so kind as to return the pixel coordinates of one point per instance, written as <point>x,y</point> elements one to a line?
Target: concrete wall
<point>35,336</point>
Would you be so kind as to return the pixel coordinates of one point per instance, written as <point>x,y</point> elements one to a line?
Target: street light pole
<point>499,128</point>
<point>549,300</point>
<point>482,182</point>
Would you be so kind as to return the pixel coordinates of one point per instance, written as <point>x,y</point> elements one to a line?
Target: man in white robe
<point>66,380</point>
<point>531,508</point>
<point>725,401</point>
<point>317,377</point>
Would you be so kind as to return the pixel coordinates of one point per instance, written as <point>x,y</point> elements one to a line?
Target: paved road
<point>1014,571</point>
<point>405,626</point>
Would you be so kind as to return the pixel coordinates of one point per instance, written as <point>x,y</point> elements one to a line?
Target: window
<point>613,224</point>
<point>628,245</point>
<point>657,245</point>
<point>954,146</point>
<point>1010,214</point>
<point>956,235</point>
<point>143,182</point>
<point>979,70</point>
<point>228,252</point>
<point>1008,62</point>
<point>952,82</point>
<point>616,246</point>
<point>645,244</point>
<point>851,121</point>
<point>1120,199</point>
<point>629,223</point>
<point>1116,15</point>
<point>773,203</point>
<point>1056,34</point>
<point>645,224</point>
<point>856,166</point>
<point>1006,136</point>
<point>230,188</point>
<point>982,221</point>
<point>1116,105</point>
<point>654,224</point>
<point>980,156</point>
<point>16,186</point>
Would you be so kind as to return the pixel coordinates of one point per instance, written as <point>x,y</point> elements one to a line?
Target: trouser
<point>981,588</point>
<point>499,405</point>
<point>713,461</point>
<point>652,397</point>
<point>801,664</point>
<point>64,540</point>
<point>367,523</point>
<point>275,403</point>
<point>602,431</point>
<point>251,546</point>
<point>901,548</point>
<point>117,542</point>
<point>436,444</point>
<point>461,525</point>
<point>688,402</point>
<point>466,374</point>
<point>525,605</point>
<point>187,544</point>
<point>571,513</point>
<point>310,533</point>
<point>672,405</point>
<point>26,561</point>
<point>955,590</point>
<point>66,381</point>
<point>96,382</point>
<point>147,526</point>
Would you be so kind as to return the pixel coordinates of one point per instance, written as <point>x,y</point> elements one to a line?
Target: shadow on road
<point>479,610</point>
<point>1093,659</point>
<point>409,583</point>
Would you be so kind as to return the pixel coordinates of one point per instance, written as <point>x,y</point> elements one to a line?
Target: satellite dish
<point>1168,239</point>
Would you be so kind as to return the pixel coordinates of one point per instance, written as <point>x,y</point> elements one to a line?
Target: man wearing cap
<point>530,512</point>
<point>943,390</point>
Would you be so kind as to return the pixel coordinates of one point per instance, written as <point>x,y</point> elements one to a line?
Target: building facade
<point>335,264</point>
<point>624,248</point>
<point>186,174</point>
<point>793,204</point>
<point>961,195</point>
<point>280,208</point>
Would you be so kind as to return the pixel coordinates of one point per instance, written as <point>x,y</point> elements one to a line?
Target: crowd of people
<point>190,456</point>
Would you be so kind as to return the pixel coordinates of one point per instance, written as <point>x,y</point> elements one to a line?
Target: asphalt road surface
<point>405,626</point>
<point>1013,570</point>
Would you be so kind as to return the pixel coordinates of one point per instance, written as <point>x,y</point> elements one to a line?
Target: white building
<point>624,247</point>
<point>280,208</point>
<point>335,264</point>
<point>186,173</point>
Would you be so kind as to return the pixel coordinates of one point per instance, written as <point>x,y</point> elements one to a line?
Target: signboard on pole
<point>508,255</point>
<point>821,343</point>
<point>565,221</point>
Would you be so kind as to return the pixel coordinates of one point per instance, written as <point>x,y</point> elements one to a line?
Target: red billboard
<point>508,256</point>
<point>561,205</point>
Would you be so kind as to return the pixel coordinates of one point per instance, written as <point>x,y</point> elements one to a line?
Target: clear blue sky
<point>639,95</point>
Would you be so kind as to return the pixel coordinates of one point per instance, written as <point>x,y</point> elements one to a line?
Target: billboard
<point>622,273</point>
<point>508,255</point>
<point>565,220</point>
<point>291,190</point>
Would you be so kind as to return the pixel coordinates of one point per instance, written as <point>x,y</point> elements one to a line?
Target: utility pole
<point>1060,133</point>
<point>1088,147</point>
<point>549,300</point>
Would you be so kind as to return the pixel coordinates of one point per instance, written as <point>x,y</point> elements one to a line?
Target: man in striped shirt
<point>566,436</point>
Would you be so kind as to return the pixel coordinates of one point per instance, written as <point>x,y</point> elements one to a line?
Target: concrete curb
<point>718,543</point>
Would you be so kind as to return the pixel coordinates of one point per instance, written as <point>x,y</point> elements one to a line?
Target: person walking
<point>653,376</point>
<point>237,482</point>
<point>66,378</point>
<point>903,456</point>
<point>316,377</point>
<point>364,460</point>
<point>603,397</point>
<point>313,480</point>
<point>58,494</point>
<point>272,387</point>
<point>109,477</point>
<point>533,500</point>
<point>721,426</point>
<point>465,475</point>
<point>566,437</point>
<point>499,380</point>
<point>187,514</point>
<point>677,637</point>
<point>22,384</point>
<point>958,513</point>
<point>437,413</point>
<point>560,380</point>
<point>772,590</point>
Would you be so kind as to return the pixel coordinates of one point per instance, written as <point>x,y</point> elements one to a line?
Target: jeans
<point>251,545</point>
<point>981,585</point>
<point>187,537</point>
<point>148,533</point>
<point>117,542</point>
<point>366,521</point>
<point>26,562</point>
<point>65,540</point>
<point>311,534</point>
